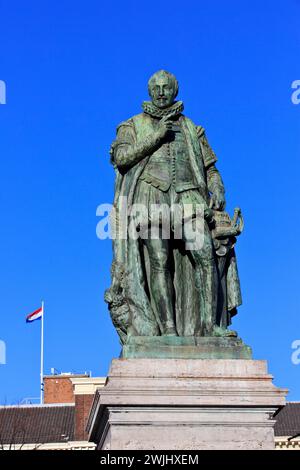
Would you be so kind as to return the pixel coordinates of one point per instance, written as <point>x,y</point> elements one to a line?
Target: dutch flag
<point>36,315</point>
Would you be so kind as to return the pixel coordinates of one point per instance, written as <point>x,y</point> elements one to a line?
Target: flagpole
<point>42,355</point>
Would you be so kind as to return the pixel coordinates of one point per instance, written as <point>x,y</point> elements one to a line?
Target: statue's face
<point>162,92</point>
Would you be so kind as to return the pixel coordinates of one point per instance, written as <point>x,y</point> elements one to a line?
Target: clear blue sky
<point>74,70</point>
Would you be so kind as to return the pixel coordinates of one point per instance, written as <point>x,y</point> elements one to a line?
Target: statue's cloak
<point>128,296</point>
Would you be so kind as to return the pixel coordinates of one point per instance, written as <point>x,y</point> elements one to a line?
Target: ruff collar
<point>173,110</point>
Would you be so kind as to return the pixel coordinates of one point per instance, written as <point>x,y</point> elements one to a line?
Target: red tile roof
<point>36,424</point>
<point>288,420</point>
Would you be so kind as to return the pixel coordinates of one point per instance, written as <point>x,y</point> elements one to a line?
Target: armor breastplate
<point>170,165</point>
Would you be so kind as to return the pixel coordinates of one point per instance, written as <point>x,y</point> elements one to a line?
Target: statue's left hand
<point>217,200</point>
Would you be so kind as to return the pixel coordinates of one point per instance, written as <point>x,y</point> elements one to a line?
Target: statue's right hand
<point>165,125</point>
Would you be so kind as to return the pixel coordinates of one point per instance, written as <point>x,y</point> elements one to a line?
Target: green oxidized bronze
<point>160,287</point>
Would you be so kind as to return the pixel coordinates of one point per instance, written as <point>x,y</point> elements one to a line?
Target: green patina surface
<point>186,348</point>
<point>168,299</point>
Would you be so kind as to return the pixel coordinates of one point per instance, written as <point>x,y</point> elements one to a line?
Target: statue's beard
<point>162,103</point>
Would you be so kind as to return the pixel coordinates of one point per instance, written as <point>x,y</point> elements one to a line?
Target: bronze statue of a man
<point>159,285</point>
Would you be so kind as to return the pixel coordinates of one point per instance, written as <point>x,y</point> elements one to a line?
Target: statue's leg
<point>161,284</point>
<point>206,280</point>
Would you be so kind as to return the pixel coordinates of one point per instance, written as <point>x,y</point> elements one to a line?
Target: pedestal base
<point>185,404</point>
<point>180,347</point>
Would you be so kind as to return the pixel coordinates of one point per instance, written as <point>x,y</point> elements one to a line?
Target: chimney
<point>84,391</point>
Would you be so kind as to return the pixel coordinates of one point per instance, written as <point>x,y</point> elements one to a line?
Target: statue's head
<point>163,88</point>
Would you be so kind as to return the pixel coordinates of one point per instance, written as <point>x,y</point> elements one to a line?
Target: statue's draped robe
<point>128,296</point>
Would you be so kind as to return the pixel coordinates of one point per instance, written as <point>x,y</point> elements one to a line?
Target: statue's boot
<point>162,298</point>
<point>223,332</point>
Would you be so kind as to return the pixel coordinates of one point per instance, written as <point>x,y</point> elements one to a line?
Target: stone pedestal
<point>185,404</point>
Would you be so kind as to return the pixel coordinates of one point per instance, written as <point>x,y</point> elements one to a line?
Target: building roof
<point>288,420</point>
<point>36,424</point>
